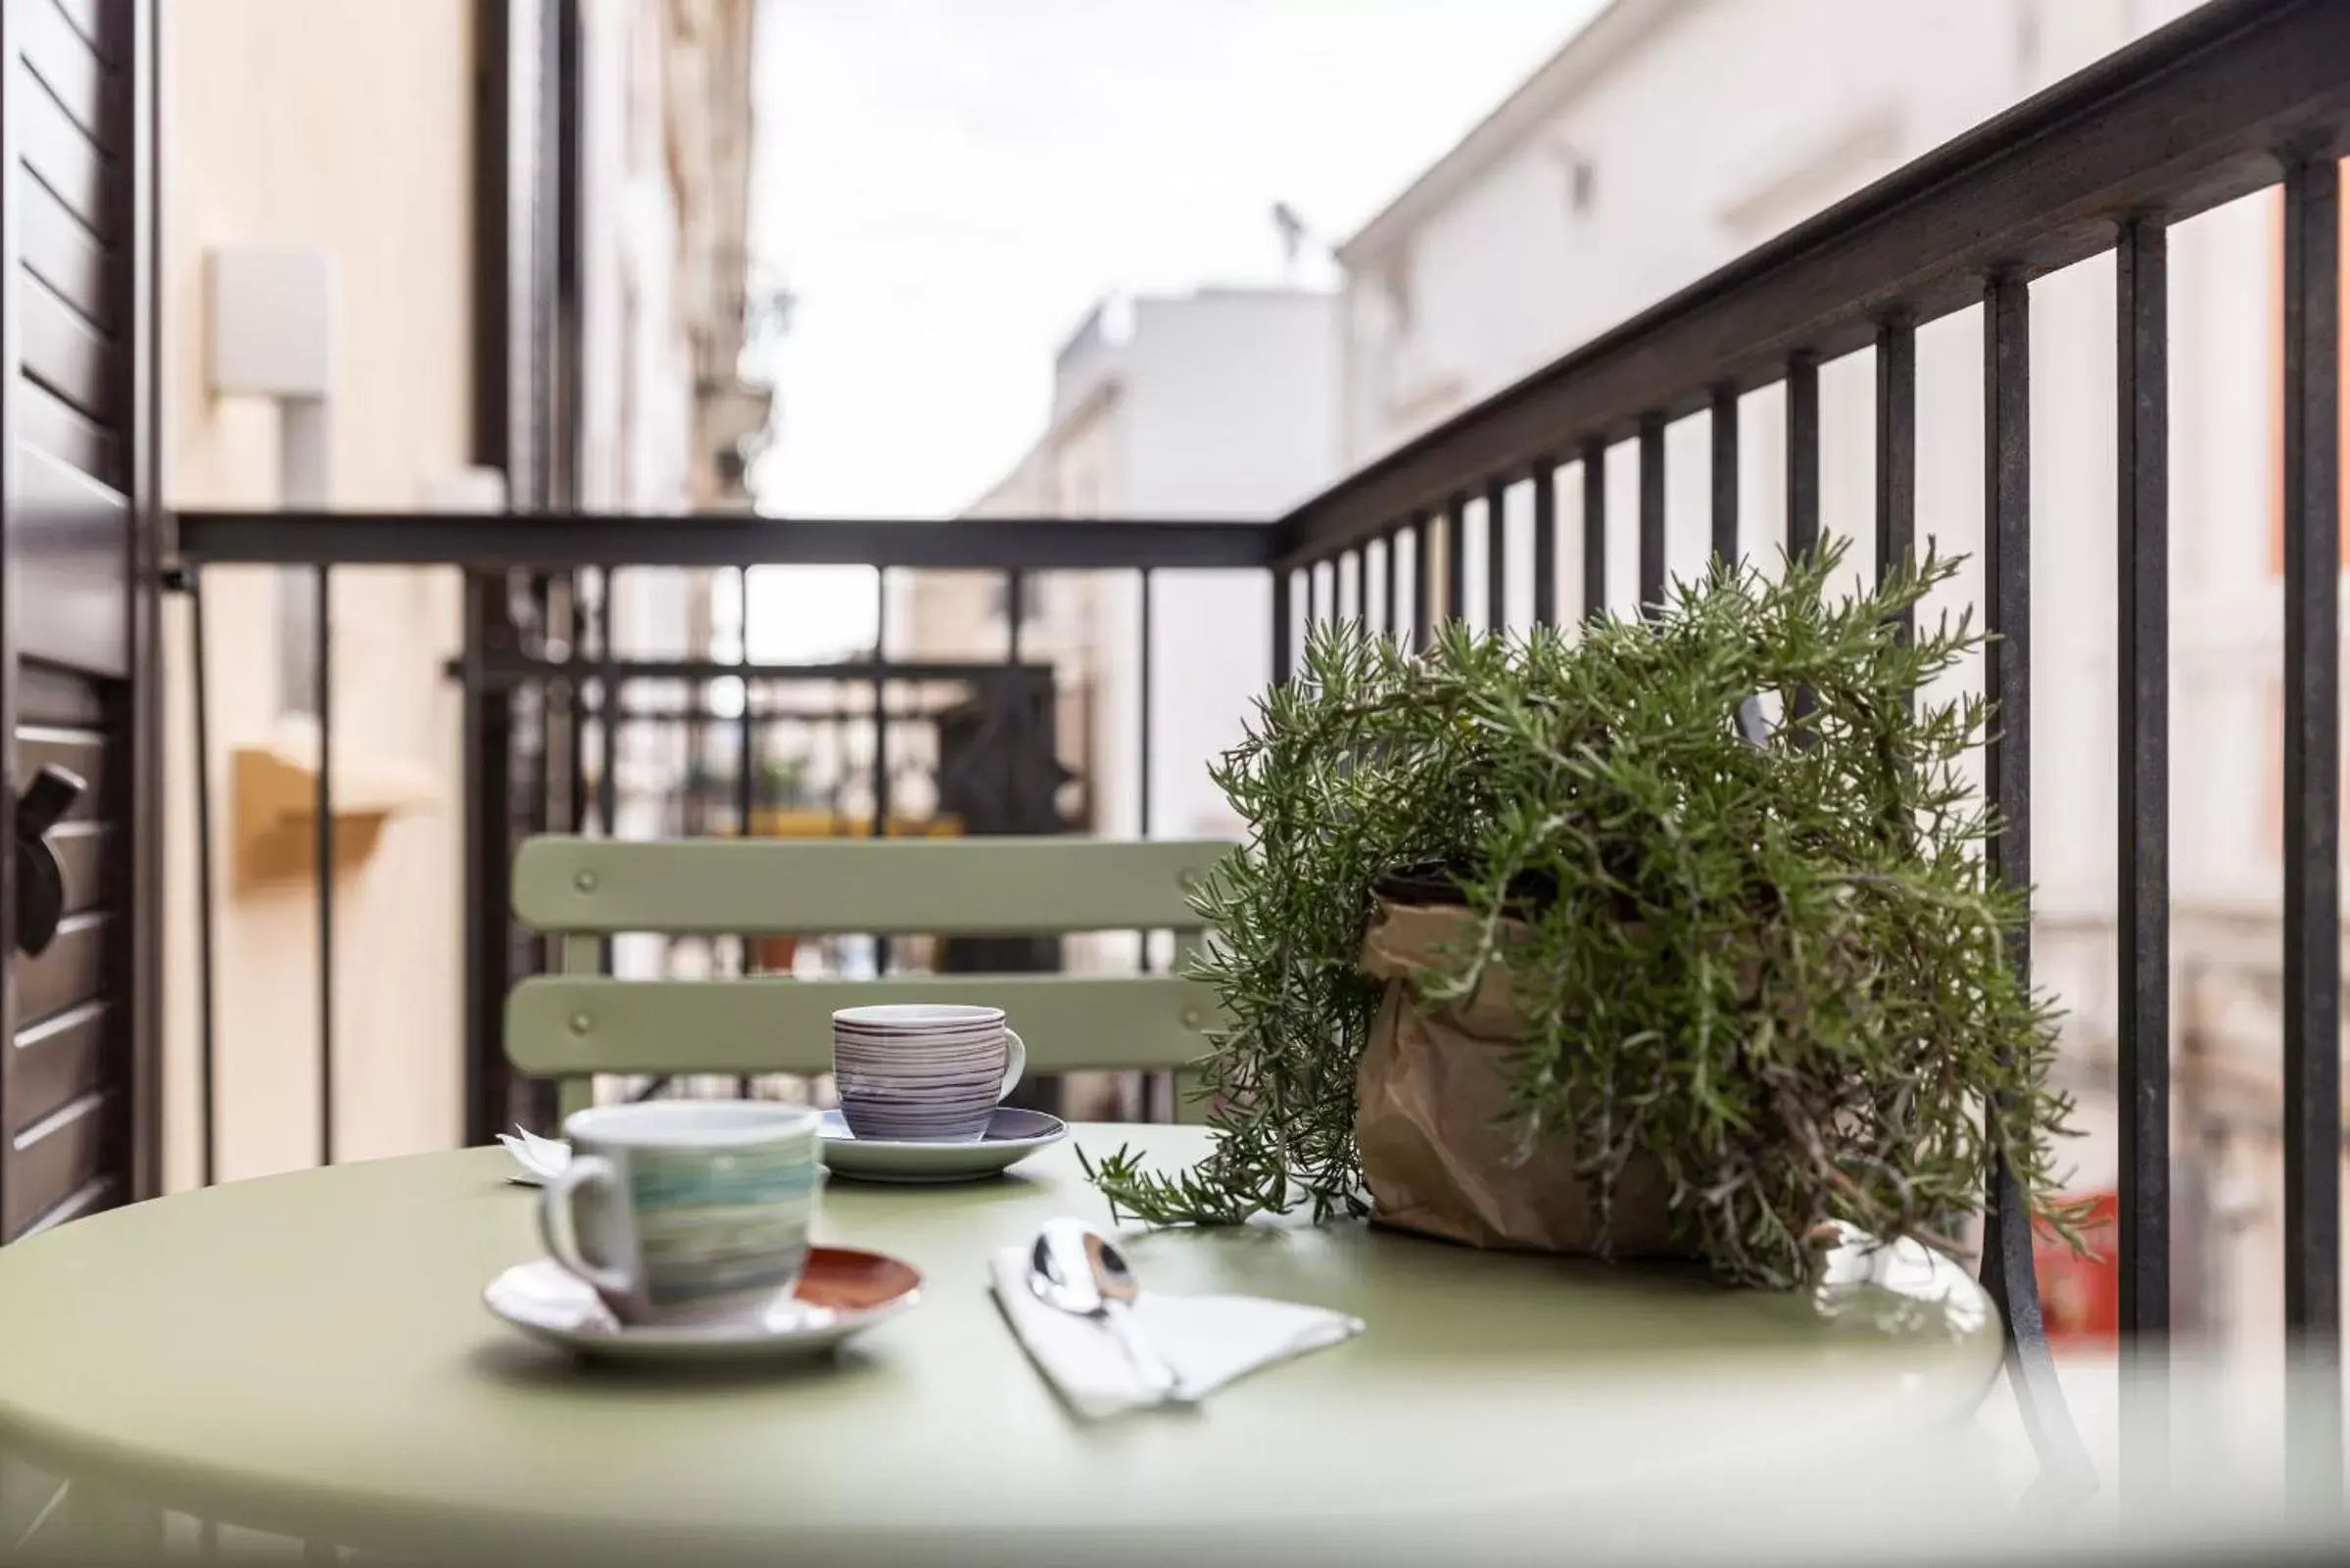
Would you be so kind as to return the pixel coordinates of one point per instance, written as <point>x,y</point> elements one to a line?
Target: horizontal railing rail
<point>568,541</point>
<point>513,669</point>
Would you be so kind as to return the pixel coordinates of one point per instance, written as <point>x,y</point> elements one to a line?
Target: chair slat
<point>962,888</point>
<point>558,1025</point>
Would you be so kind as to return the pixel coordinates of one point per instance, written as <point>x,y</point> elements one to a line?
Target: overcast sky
<point>948,185</point>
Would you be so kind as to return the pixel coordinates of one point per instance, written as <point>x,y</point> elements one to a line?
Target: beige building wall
<point>347,125</point>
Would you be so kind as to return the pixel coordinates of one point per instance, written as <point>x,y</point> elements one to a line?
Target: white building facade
<point>1218,405</point>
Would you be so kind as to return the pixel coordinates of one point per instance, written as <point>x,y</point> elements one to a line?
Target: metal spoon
<point>1074,1267</point>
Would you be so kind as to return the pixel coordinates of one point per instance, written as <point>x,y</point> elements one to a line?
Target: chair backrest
<point>580,1022</point>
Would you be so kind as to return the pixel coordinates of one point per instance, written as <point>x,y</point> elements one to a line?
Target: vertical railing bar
<point>2007,1256</point>
<point>881,703</point>
<point>1015,594</point>
<point>1158,1088</point>
<point>880,825</point>
<point>1725,473</point>
<point>1652,514</point>
<point>575,702</point>
<point>753,736</point>
<point>1456,557</point>
<point>481,912</point>
<point>321,652</point>
<point>1546,542</point>
<point>1497,554</point>
<point>1391,584</point>
<point>1361,575</point>
<point>2141,514</point>
<point>608,712</point>
<point>207,956</point>
<point>1803,454</point>
<point>1896,446</point>
<point>1595,526</point>
<point>1283,650</point>
<point>1402,609</point>
<point>1425,608</point>
<point>608,780</point>
<point>1142,662</point>
<point>746,797</point>
<point>1015,612</point>
<point>2313,1131</point>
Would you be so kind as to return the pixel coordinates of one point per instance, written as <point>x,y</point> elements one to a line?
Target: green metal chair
<point>580,1022</point>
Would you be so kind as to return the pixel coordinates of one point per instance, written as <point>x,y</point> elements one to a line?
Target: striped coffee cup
<point>923,1072</point>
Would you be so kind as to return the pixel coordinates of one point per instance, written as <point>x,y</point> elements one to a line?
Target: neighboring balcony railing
<point>548,692</point>
<point>2236,96</point>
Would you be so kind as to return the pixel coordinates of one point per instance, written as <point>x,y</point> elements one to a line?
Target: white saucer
<point>1011,1137</point>
<point>843,1292</point>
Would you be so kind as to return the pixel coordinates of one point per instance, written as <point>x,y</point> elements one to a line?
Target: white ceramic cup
<point>924,1073</point>
<point>686,1210</point>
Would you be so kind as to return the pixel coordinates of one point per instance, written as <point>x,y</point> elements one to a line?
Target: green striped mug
<point>686,1210</point>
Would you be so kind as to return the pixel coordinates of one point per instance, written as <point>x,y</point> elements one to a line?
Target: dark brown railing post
<point>879,827</point>
<point>2007,1254</point>
<point>2313,1113</point>
<point>1144,691</point>
<point>608,707</point>
<point>1803,454</point>
<point>746,740</point>
<point>190,580</point>
<point>1283,649</point>
<point>1595,527</point>
<point>1896,446</point>
<point>1652,514</point>
<point>1497,556</point>
<point>1725,472</point>
<point>2142,536</point>
<point>1546,543</point>
<point>1456,557</point>
<point>1426,608</point>
<point>1391,584</point>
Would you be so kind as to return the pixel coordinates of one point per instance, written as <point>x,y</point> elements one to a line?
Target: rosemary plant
<point>1771,963</point>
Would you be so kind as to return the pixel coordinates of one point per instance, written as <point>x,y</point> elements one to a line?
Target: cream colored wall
<point>344,125</point>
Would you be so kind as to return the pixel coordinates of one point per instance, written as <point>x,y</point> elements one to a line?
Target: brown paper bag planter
<point>1436,1155</point>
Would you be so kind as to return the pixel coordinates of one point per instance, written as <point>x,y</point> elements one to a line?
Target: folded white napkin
<point>1208,1340</point>
<point>540,1158</point>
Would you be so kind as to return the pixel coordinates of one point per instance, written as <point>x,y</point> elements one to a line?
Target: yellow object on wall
<point>274,800</point>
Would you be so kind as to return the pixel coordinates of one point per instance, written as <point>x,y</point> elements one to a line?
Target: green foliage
<point>1775,969</point>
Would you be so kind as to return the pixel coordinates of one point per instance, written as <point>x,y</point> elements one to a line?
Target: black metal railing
<point>546,689</point>
<point>2236,96</point>
<point>2240,95</point>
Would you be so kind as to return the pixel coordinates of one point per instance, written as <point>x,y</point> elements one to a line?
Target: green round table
<point>308,1355</point>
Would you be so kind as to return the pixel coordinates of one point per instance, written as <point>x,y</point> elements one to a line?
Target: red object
<point>2081,1293</point>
